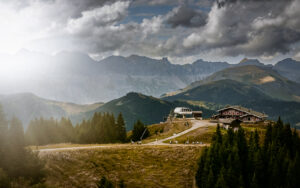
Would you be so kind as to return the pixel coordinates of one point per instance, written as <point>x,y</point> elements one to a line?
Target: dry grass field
<point>137,166</point>
<point>203,134</point>
<point>164,130</point>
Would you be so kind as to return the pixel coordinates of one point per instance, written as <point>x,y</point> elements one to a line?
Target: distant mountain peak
<point>69,56</point>
<point>137,57</point>
<point>244,60</point>
<point>288,60</point>
<point>247,61</point>
<point>165,60</point>
<point>135,95</point>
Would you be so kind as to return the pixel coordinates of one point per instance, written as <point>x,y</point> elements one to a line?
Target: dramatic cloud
<point>187,17</point>
<point>92,20</point>
<point>179,29</point>
<point>249,27</point>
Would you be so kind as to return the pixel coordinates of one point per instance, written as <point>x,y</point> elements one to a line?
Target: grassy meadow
<point>136,166</point>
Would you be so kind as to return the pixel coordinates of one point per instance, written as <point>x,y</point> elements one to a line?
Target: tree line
<point>21,166</point>
<point>234,161</point>
<point>18,166</point>
<point>101,128</point>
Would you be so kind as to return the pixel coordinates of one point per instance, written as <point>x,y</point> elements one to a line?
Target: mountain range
<point>81,82</point>
<point>133,106</point>
<point>75,77</point>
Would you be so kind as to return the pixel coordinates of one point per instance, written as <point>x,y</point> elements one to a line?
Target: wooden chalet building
<point>237,112</point>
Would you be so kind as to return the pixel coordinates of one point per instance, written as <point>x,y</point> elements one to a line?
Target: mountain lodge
<point>238,112</point>
<point>187,112</point>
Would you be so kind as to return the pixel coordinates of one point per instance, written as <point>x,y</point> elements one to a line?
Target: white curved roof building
<point>183,111</point>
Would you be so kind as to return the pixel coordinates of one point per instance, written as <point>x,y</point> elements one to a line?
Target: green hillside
<point>229,92</point>
<point>27,106</point>
<point>222,92</point>
<point>148,109</point>
<point>263,78</point>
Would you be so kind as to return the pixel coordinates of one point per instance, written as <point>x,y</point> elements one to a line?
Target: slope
<point>267,80</point>
<point>27,106</point>
<point>148,109</point>
<point>289,68</point>
<point>221,91</point>
<point>230,92</point>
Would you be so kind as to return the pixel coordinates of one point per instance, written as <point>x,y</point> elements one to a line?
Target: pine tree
<point>67,133</point>
<point>16,150</point>
<point>218,135</point>
<point>138,131</point>
<point>3,134</point>
<point>221,183</point>
<point>121,129</point>
<point>16,133</point>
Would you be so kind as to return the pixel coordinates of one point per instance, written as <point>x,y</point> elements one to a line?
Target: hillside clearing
<point>137,166</point>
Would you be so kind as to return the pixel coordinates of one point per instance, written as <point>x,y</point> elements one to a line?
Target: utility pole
<point>143,133</point>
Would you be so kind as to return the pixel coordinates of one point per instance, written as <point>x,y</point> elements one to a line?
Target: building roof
<point>197,112</point>
<point>246,110</point>
<point>182,110</point>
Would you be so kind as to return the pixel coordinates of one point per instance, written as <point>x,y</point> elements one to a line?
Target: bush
<point>105,183</point>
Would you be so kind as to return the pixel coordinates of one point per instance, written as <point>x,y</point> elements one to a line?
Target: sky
<point>182,30</point>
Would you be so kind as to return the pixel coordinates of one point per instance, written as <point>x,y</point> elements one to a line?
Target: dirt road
<point>195,125</point>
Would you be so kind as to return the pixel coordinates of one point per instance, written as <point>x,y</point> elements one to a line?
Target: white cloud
<point>98,17</point>
<point>152,26</point>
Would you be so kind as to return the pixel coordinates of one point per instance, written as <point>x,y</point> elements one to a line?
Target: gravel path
<point>195,125</point>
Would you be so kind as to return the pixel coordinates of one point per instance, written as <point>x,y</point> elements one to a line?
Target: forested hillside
<point>101,128</point>
<point>234,161</point>
<point>150,110</point>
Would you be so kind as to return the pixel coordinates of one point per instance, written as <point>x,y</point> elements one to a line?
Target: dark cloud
<point>249,27</point>
<point>191,27</point>
<point>187,17</point>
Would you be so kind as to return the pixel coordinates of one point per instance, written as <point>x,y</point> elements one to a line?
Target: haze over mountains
<point>27,106</point>
<point>75,77</point>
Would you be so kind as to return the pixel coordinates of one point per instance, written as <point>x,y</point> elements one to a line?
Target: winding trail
<point>195,125</point>
<point>72,148</point>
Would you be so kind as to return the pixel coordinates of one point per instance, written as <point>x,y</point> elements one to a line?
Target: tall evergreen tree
<point>238,162</point>
<point>16,150</point>
<point>3,134</point>
<point>121,128</point>
<point>139,130</point>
